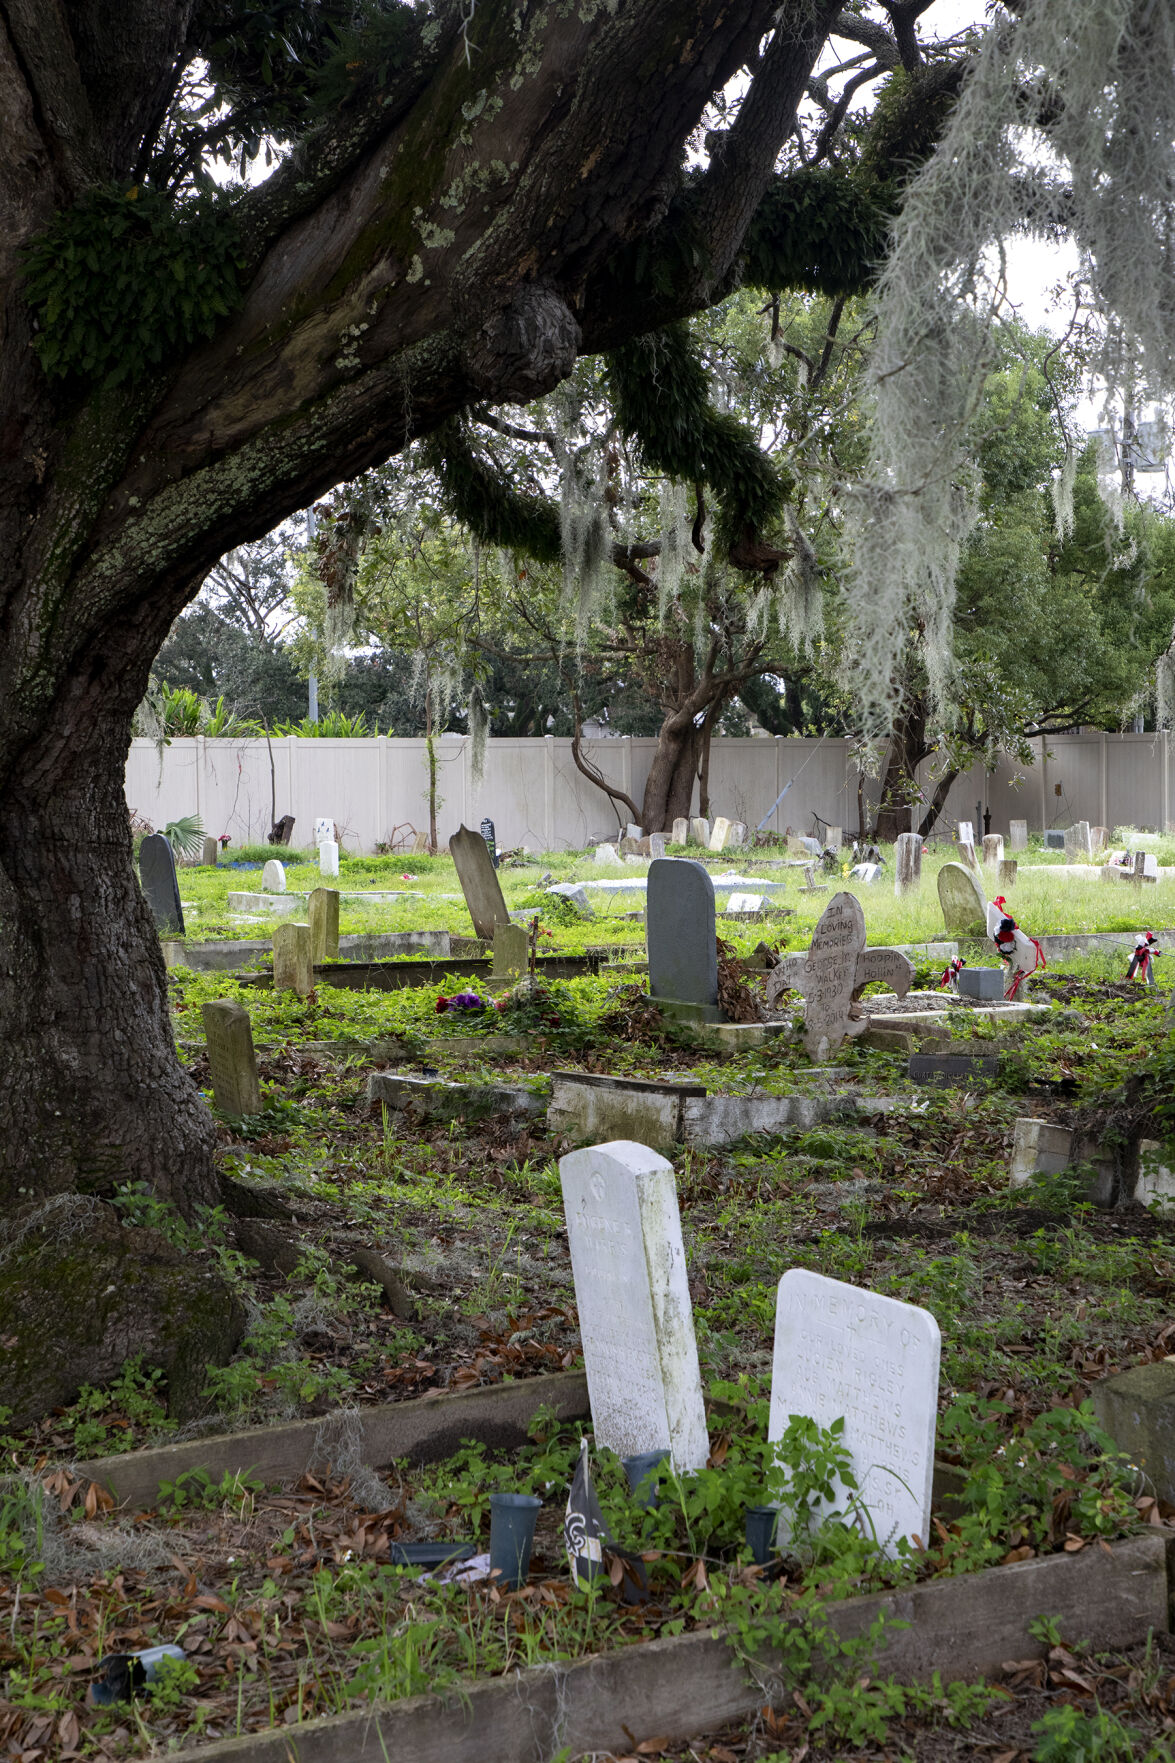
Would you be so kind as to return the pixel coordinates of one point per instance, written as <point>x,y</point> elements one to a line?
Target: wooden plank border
<point>962,1627</point>
<point>422,1429</point>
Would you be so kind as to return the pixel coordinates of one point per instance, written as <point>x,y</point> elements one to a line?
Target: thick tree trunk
<point>942,790</point>
<point>91,1093</point>
<point>669,787</point>
<point>899,782</point>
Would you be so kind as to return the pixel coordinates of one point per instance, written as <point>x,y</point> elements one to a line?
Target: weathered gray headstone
<point>967,850</point>
<point>231,1058</point>
<point>633,831</point>
<point>683,954</point>
<point>907,863</point>
<point>479,882</point>
<point>964,909</point>
<point>1099,838</point>
<point>680,833</point>
<point>607,854</point>
<point>420,845</point>
<point>293,969</point>
<point>575,894</point>
<point>834,971</point>
<point>632,1293</point>
<point>993,848</point>
<point>273,877</point>
<point>160,887</point>
<point>844,1353</point>
<point>1078,843</point>
<point>952,1068</point>
<point>510,952</point>
<point>1137,1409</point>
<point>1017,835</point>
<point>1009,868</point>
<point>210,852</point>
<point>834,838</point>
<point>322,911</point>
<point>737,837</point>
<point>656,843</point>
<point>699,829</point>
<point>981,982</point>
<point>1054,839</point>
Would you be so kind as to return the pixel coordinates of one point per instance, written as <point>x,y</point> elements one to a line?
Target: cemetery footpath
<point>890,1284</point>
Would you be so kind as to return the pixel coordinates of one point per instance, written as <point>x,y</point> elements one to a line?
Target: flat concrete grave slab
<point>952,1068</point>
<point>595,1108</point>
<point>389,976</point>
<point>683,951</point>
<point>479,882</point>
<point>430,1098</point>
<point>160,886</point>
<point>223,957</point>
<point>711,1122</point>
<point>635,1315</point>
<point>964,908</point>
<point>1137,1409</point>
<point>842,1352</point>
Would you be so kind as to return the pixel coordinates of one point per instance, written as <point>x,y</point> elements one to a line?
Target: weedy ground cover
<point>287,1603</point>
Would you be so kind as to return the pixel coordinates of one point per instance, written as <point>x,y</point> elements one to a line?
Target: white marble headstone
<point>328,857</point>
<point>323,829</point>
<point>635,1316</point>
<point>842,1352</point>
<point>273,877</point>
<point>836,968</point>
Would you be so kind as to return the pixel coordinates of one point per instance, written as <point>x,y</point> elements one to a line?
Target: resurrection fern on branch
<point>1066,122</point>
<point>487,502</point>
<point>661,396</point>
<point>126,276</point>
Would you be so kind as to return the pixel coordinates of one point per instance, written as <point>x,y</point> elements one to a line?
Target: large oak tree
<point>467,197</point>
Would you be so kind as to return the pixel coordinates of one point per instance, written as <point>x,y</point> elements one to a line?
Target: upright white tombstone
<point>680,833</point>
<point>993,849</point>
<point>834,838</point>
<point>720,833</point>
<point>1078,843</point>
<point>699,830</point>
<point>846,1353</point>
<point>635,1316</point>
<point>273,877</point>
<point>323,829</point>
<point>328,858</point>
<point>1017,835</point>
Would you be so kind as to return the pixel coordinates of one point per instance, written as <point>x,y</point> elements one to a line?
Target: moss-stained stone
<point>80,1295</point>
<point>1137,1409</point>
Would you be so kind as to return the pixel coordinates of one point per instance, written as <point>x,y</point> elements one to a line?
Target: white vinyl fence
<point>377,788</point>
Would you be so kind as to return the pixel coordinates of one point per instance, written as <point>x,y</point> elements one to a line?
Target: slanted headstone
<point>993,848</point>
<point>1077,841</point>
<point>231,1058</point>
<point>1017,835</point>
<point>719,833</point>
<point>575,895</point>
<point>632,1293</point>
<point>479,882</point>
<point>489,834</point>
<point>833,973</point>
<point>273,877</point>
<point>844,1353</point>
<point>699,829</point>
<point>282,831</point>
<point>210,852</point>
<point>328,858</point>
<point>1009,868</point>
<point>322,910</point>
<point>420,845</point>
<point>683,954</point>
<point>293,969</point>
<point>907,863</point>
<point>510,952</point>
<point>607,854</point>
<point>680,833</point>
<point>323,829</point>
<point>867,873</point>
<point>964,909</point>
<point>161,890</point>
<point>744,905</point>
<point>633,831</point>
<point>835,838</point>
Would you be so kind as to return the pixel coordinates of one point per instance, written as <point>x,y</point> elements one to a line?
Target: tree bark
<point>899,781</point>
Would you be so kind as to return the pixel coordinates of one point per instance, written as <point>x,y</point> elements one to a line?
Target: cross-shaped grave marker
<point>833,974</point>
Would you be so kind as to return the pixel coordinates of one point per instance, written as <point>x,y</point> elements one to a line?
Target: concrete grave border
<point>677,1688</point>
<point>421,1428</point>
